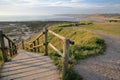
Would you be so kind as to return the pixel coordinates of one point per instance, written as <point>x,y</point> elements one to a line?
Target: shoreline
<point>104,18</point>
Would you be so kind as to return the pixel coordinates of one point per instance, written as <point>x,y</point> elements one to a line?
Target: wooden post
<point>30,47</point>
<point>23,44</point>
<point>10,48</point>
<point>38,44</point>
<point>65,57</point>
<point>3,47</point>
<point>34,44</point>
<point>46,41</point>
<point>13,48</point>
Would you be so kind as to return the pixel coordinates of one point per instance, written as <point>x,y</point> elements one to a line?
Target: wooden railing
<point>34,45</point>
<point>7,50</point>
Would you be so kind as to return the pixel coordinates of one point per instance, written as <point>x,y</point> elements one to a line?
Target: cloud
<point>39,7</point>
<point>52,3</point>
<point>75,1</point>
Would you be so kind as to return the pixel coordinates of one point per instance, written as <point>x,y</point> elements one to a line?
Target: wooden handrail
<point>57,35</point>
<point>37,46</point>
<point>8,39</point>
<point>11,46</point>
<point>56,49</point>
<point>34,44</point>
<point>36,37</point>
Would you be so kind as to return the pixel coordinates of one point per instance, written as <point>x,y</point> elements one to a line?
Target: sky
<point>51,7</point>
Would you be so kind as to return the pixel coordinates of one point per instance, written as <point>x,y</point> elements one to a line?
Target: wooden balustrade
<point>65,55</point>
<point>12,48</point>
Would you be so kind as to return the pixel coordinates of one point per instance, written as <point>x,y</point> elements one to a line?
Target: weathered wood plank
<point>56,49</point>
<point>37,46</point>
<point>65,57</point>
<point>46,41</point>
<point>29,66</point>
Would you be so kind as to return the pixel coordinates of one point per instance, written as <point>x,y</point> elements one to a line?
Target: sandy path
<point>103,67</point>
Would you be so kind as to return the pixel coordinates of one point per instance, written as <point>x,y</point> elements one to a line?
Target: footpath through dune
<point>103,67</point>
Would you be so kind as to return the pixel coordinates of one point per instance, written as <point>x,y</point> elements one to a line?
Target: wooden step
<point>30,66</point>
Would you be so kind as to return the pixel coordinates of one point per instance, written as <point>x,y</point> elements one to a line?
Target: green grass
<point>71,74</point>
<point>86,44</point>
<point>107,27</point>
<point>1,61</point>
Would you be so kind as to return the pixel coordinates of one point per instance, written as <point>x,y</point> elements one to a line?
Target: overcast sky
<point>49,7</point>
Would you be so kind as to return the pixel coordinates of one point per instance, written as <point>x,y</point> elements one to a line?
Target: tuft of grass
<point>1,62</point>
<point>71,74</point>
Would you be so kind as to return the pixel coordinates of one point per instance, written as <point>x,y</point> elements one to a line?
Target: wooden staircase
<point>29,66</point>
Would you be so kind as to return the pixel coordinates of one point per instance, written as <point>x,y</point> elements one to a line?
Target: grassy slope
<point>107,27</point>
<point>86,44</point>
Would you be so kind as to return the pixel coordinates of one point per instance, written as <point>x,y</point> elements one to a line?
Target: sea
<point>47,18</point>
